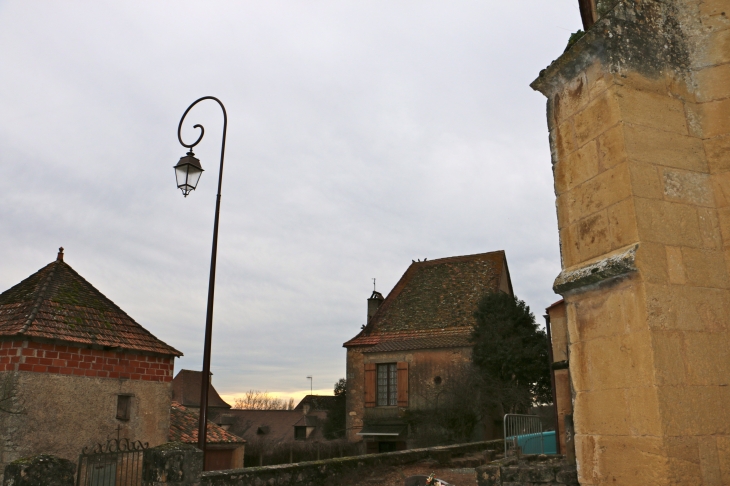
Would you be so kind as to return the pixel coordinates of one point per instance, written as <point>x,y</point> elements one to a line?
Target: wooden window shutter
<point>370,381</point>
<point>402,383</point>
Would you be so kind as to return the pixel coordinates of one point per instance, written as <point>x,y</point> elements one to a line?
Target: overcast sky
<point>361,135</point>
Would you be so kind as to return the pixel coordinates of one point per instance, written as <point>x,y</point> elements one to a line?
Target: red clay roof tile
<point>433,303</point>
<point>184,428</point>
<point>57,303</point>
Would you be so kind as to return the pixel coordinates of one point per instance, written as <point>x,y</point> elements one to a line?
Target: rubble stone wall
<point>332,471</point>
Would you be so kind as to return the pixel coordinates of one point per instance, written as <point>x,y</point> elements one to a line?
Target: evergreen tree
<point>335,426</point>
<point>511,353</point>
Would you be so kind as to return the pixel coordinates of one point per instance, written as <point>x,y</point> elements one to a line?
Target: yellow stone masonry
<point>641,156</point>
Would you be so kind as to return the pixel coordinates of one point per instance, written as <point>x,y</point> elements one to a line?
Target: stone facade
<point>61,414</point>
<point>639,120</point>
<point>428,372</point>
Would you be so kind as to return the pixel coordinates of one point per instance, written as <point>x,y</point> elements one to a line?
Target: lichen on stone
<point>612,266</point>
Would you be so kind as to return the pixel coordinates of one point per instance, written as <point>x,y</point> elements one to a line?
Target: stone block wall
<point>530,470</point>
<point>41,470</point>
<point>639,120</point>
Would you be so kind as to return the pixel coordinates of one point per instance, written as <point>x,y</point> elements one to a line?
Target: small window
<point>300,432</point>
<point>387,385</point>
<point>124,407</point>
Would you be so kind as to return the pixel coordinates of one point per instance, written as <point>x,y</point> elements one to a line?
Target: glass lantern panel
<point>181,174</point>
<point>194,176</point>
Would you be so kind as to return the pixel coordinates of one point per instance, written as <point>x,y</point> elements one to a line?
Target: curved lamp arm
<point>205,378</point>
<point>202,133</point>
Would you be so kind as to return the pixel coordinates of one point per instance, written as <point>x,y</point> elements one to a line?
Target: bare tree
<point>258,400</point>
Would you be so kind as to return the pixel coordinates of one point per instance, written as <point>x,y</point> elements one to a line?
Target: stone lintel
<point>616,264</point>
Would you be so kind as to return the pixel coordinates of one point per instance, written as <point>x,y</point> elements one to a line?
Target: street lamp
<point>187,173</point>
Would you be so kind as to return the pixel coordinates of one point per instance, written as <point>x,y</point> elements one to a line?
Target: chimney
<point>59,258</point>
<point>374,303</point>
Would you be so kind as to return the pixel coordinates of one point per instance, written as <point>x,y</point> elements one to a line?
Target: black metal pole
<point>205,378</point>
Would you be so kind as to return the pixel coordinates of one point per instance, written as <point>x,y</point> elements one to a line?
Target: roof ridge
<point>39,300</point>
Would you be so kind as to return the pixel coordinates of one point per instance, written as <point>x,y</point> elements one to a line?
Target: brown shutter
<point>370,385</point>
<point>402,383</point>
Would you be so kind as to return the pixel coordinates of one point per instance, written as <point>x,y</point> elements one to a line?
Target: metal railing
<point>117,463</point>
<point>525,432</point>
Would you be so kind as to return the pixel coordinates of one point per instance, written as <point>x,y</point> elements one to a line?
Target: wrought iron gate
<point>116,463</point>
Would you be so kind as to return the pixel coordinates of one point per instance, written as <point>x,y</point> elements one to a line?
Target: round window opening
<point>437,380</point>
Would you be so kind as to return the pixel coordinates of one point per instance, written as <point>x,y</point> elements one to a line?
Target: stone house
<point>270,431</point>
<point>186,391</point>
<point>79,370</point>
<point>224,450</point>
<point>415,341</point>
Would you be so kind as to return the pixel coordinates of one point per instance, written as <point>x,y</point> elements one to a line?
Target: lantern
<point>187,173</point>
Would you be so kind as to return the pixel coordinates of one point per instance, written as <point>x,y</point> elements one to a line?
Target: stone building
<point>415,341</point>
<point>563,395</point>
<point>639,122</point>
<point>77,368</point>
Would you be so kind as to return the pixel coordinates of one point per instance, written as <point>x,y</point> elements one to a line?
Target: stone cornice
<point>614,265</point>
<point>647,37</point>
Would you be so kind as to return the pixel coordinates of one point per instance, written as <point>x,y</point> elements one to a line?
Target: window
<point>387,385</point>
<point>124,406</point>
<point>300,432</point>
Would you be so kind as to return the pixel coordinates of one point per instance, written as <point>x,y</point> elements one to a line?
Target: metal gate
<point>116,463</point>
<point>525,432</point>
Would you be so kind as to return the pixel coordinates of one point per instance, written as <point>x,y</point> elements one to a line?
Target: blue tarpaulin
<point>530,443</point>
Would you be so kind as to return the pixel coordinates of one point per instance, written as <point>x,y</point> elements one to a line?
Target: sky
<point>361,136</point>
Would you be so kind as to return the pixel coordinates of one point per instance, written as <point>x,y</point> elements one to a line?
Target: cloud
<point>361,136</point>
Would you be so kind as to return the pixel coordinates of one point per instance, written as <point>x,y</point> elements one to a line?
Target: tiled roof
<point>429,340</point>
<point>184,428</point>
<point>56,303</point>
<point>186,390</point>
<point>271,426</point>
<point>433,303</point>
<point>316,402</point>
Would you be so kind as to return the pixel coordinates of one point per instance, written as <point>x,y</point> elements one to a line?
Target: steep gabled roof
<point>184,428</point>
<point>186,390</point>
<point>433,304</point>
<point>56,303</point>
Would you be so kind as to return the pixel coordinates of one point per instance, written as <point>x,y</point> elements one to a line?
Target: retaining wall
<point>319,472</point>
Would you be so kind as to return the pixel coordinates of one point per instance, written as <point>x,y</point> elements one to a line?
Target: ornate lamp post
<point>187,172</point>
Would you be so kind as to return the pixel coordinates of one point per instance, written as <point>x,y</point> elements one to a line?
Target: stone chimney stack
<point>374,303</point>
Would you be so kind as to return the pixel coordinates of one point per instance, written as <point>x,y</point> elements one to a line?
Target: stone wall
<point>532,470</point>
<point>332,471</point>
<point>639,120</point>
<point>61,414</point>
